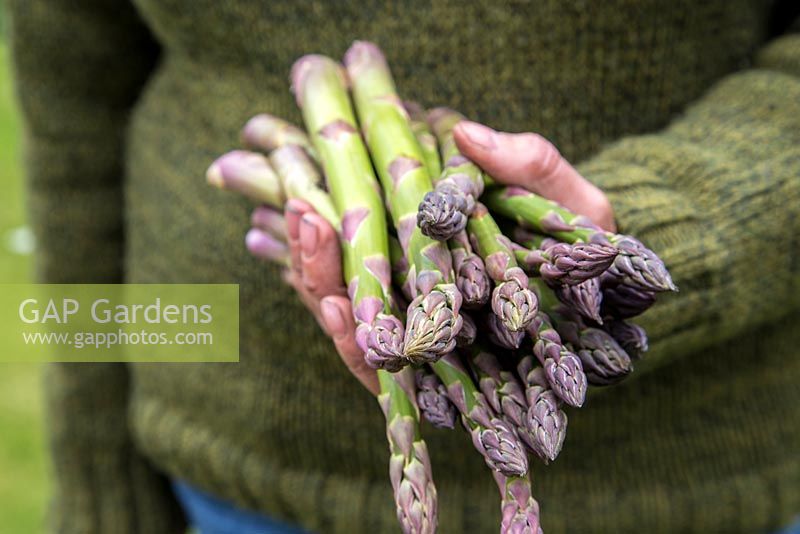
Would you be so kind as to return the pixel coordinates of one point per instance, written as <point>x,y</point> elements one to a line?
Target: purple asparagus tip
<point>246,173</point>
<point>270,221</point>
<point>630,336</point>
<point>433,402</point>
<point>519,510</point>
<point>500,335</point>
<point>497,441</point>
<point>382,342</point>
<point>623,301</point>
<point>443,213</point>
<point>513,302</point>
<point>604,360</point>
<point>265,247</point>
<point>432,326</point>
<point>639,266</point>
<point>573,264</point>
<point>471,279</point>
<point>585,298</point>
<point>562,368</point>
<point>411,476</point>
<point>469,331</point>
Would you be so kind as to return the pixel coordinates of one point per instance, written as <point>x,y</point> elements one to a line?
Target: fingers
<point>529,160</point>
<point>340,325</point>
<point>295,209</point>
<point>320,257</point>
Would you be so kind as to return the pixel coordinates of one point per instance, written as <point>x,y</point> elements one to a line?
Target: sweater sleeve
<point>717,195</point>
<point>79,66</point>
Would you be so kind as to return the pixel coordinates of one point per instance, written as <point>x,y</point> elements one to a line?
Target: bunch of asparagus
<point>550,292</point>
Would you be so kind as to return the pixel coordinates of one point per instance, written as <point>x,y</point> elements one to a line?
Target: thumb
<point>530,161</point>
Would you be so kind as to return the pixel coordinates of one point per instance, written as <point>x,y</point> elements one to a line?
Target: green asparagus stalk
<point>249,174</point>
<point>492,435</point>
<point>433,319</point>
<point>427,141</point>
<point>300,179</point>
<point>321,93</point>
<point>444,211</point>
<point>266,133</point>
<point>512,301</point>
<point>635,264</point>
<point>409,465</point>
<point>520,511</point>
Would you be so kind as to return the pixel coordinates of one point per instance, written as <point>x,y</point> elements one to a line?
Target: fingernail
<point>309,236</point>
<point>478,134</point>
<point>334,322</point>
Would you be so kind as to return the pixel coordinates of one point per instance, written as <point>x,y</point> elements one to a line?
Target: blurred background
<point>23,467</point>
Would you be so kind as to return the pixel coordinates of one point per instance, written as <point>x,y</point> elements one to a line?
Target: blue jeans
<point>210,515</point>
<point>793,528</point>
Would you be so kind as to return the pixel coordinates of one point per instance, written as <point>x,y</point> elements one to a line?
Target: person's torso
<point>581,73</point>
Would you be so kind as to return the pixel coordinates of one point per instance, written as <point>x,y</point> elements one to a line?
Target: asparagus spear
<point>469,331</point>
<point>500,335</point>
<point>635,264</point>
<point>631,337</point>
<point>624,301</point>
<point>472,280</point>
<point>433,319</point>
<point>563,369</point>
<point>507,396</point>
<point>546,421</point>
<point>249,174</point>
<point>433,401</point>
<point>427,141</point>
<point>321,93</point>
<point>300,179</point>
<point>266,247</point>
<point>604,361</point>
<point>563,263</point>
<point>492,435</point>
<point>512,301</point>
<point>585,298</point>
<point>320,90</point>
<point>444,211</point>
<point>520,511</point>
<point>409,465</point>
<point>270,221</point>
<point>266,132</point>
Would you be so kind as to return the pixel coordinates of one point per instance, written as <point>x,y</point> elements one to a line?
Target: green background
<point>24,484</point>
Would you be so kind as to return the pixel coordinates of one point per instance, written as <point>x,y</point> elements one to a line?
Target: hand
<point>530,161</point>
<point>316,274</point>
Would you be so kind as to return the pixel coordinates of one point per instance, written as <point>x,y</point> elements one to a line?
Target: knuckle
<point>544,159</point>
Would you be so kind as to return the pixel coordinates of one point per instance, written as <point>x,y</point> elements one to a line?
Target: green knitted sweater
<point>687,113</point>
